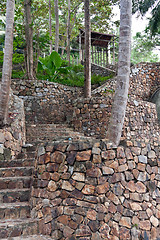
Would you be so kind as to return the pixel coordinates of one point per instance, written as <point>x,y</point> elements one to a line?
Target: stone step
<point>18,227</point>
<point>33,237</point>
<point>15,210</point>
<point>50,132</point>
<point>17,163</point>
<point>14,195</point>
<point>15,182</point>
<point>16,171</point>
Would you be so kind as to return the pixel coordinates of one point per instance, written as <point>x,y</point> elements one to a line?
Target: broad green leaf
<point>56,59</point>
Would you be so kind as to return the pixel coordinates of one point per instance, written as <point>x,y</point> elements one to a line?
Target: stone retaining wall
<point>145,80</point>
<point>52,103</point>
<point>45,102</point>
<point>13,137</point>
<point>102,71</point>
<point>92,117</point>
<point>87,190</point>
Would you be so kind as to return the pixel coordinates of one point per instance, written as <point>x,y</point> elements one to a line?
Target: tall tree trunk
<point>87,51</point>
<point>29,39</point>
<point>7,63</point>
<point>57,25</point>
<point>68,30</point>
<point>50,28</point>
<point>121,93</point>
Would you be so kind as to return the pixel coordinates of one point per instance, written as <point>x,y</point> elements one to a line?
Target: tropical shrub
<point>52,66</point>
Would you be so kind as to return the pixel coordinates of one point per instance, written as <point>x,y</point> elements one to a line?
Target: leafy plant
<point>16,74</point>
<point>98,80</point>
<point>16,59</point>
<point>52,66</point>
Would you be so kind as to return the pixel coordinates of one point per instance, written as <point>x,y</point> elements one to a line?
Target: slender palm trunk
<point>29,39</point>
<point>87,86</point>
<point>121,93</point>
<point>50,27</point>
<point>68,30</point>
<point>7,63</point>
<point>57,25</point>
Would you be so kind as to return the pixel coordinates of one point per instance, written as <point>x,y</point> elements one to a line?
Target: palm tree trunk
<point>7,63</point>
<point>50,28</point>
<point>29,39</point>
<point>87,87</point>
<point>68,31</point>
<point>57,25</point>
<point>121,93</point>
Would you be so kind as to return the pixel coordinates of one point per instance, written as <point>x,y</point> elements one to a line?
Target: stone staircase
<point>15,181</point>
<point>36,133</point>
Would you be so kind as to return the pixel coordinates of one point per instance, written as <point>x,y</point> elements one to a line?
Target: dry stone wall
<point>92,117</point>
<point>103,71</point>
<point>145,80</point>
<point>88,190</point>
<point>13,137</point>
<point>52,103</point>
<point>46,102</point>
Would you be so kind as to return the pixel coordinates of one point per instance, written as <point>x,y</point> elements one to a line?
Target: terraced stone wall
<point>13,137</point>
<point>46,102</point>
<point>91,116</point>
<point>102,71</point>
<point>88,190</point>
<point>145,80</point>
<point>52,103</point>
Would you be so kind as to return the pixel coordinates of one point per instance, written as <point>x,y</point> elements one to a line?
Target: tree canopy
<point>143,6</point>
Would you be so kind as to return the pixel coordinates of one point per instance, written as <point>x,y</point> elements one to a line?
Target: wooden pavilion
<point>102,48</point>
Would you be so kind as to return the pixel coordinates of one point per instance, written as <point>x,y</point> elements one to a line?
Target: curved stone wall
<point>156,99</point>
<point>87,190</point>
<point>144,80</point>
<point>92,117</point>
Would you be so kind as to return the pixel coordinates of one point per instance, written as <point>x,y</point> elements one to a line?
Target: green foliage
<point>16,59</point>
<point>109,90</point>
<point>99,80</point>
<point>51,65</point>
<point>142,48</point>
<point>71,75</point>
<point>1,58</point>
<point>146,5</point>
<point>16,74</point>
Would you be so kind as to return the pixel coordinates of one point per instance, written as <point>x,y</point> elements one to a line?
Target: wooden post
<point>107,60</point>
<point>113,51</point>
<point>80,48</point>
<point>109,53</point>
<point>92,55</point>
<point>103,58</point>
<point>82,54</point>
<point>87,87</point>
<point>98,55</point>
